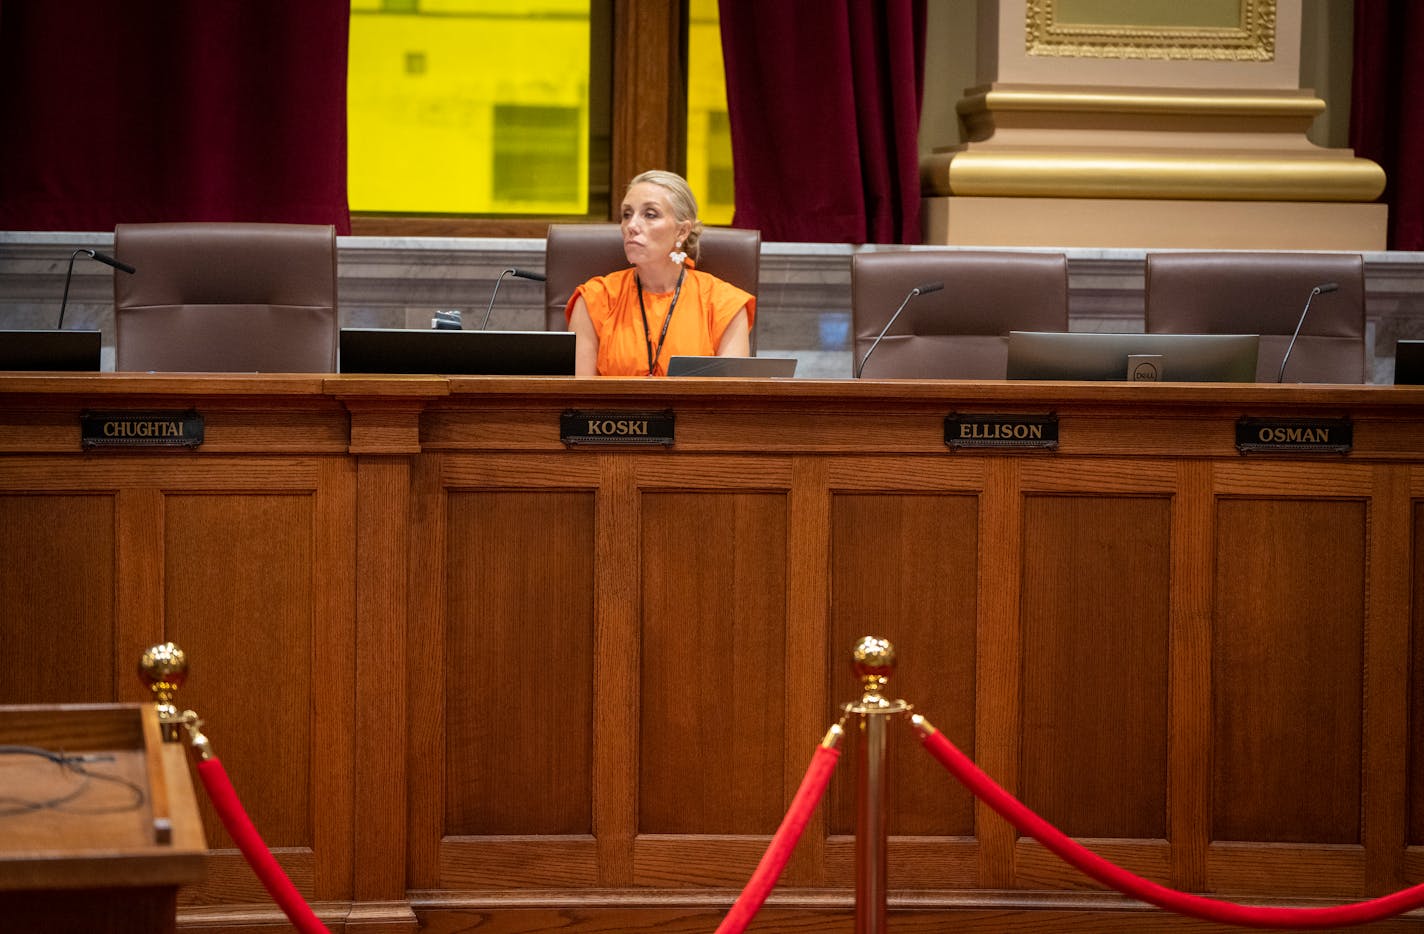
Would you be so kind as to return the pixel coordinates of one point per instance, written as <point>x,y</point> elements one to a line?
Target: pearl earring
<point>677,256</point>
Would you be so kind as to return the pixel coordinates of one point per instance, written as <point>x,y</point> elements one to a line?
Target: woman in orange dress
<point>628,323</point>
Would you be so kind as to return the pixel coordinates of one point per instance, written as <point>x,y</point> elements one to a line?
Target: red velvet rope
<point>1113,876</point>
<point>235,819</point>
<point>763,880</point>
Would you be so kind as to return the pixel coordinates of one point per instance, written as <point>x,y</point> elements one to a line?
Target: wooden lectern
<point>98,823</point>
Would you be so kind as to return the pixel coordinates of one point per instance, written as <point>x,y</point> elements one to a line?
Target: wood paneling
<point>518,666</point>
<point>1416,685</point>
<point>906,568</point>
<point>713,581</point>
<point>463,674</point>
<point>238,586</point>
<point>1288,683</point>
<point>1096,611</point>
<point>57,596</point>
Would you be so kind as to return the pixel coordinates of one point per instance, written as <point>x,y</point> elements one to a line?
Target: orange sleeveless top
<point>705,306</point>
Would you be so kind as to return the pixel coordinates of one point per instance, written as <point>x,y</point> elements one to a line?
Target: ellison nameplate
<point>141,429</point>
<point>1294,435</point>
<point>620,428</point>
<point>1001,431</point>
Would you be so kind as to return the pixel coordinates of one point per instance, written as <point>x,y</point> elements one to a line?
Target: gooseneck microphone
<point>520,273</point>
<point>917,290</point>
<point>104,258</point>
<point>1322,287</point>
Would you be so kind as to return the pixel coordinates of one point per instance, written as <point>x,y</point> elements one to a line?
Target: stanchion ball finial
<point>165,668</point>
<point>873,660</point>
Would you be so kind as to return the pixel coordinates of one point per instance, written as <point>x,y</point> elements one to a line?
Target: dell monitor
<point>1179,358</point>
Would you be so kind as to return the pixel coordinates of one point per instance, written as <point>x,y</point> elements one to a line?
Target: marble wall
<point>803,301</point>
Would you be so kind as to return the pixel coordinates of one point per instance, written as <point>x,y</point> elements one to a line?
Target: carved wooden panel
<point>1416,682</point>
<point>57,598</point>
<point>713,572</point>
<point>238,581</point>
<point>519,663</point>
<point>1288,679</point>
<point>1095,614</point>
<point>905,568</point>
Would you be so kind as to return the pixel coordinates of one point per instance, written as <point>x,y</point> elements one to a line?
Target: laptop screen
<point>50,350</point>
<point>1409,363</point>
<point>746,367</point>
<point>446,352</point>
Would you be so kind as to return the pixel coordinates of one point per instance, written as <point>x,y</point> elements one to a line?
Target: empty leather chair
<point>1265,293</point>
<point>575,253</point>
<point>226,298</point>
<point>960,331</point>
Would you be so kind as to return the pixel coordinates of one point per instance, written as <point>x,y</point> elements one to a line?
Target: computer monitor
<point>69,351</point>
<point>1409,363</point>
<point>1178,358</point>
<point>748,367</point>
<point>471,353</point>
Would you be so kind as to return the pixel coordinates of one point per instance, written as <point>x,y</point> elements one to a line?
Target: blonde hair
<point>684,205</point>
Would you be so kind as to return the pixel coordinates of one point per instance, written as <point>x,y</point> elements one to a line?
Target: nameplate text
<point>617,428</point>
<point>141,429</point>
<point>1001,431</point>
<point>1294,435</point>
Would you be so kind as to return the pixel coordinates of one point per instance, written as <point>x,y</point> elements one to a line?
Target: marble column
<point>1146,124</point>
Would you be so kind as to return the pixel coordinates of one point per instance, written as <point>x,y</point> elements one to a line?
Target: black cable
<point>12,805</point>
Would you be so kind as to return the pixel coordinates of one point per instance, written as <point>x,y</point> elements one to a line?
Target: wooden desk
<point>458,670</point>
<point>101,841</point>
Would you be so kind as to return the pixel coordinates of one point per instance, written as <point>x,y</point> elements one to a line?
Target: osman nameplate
<point>1294,435</point>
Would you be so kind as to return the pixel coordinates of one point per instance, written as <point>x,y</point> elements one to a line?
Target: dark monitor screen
<point>50,350</point>
<point>1409,363</point>
<point>750,367</point>
<point>446,352</point>
<point>1178,358</point>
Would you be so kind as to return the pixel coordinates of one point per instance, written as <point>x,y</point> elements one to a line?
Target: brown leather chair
<point>960,331</point>
<point>575,253</point>
<point>1264,293</point>
<point>226,298</point>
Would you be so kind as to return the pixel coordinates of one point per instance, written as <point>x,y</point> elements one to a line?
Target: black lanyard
<point>653,355</point>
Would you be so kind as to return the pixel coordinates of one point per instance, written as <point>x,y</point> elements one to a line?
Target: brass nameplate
<point>141,429</point>
<point>1001,431</point>
<point>617,428</point>
<point>1294,435</point>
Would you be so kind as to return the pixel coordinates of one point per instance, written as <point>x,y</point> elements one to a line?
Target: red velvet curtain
<point>172,110</point>
<point>823,97</point>
<point>1387,109</point>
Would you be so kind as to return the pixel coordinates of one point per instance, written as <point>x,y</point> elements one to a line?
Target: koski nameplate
<point>1294,435</point>
<point>1001,431</point>
<point>617,428</point>
<point>141,429</point>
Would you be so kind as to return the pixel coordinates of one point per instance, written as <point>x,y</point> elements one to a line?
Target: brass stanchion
<point>164,667</point>
<point>873,663</point>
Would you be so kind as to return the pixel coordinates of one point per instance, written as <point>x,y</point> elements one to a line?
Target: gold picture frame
<point>1247,37</point>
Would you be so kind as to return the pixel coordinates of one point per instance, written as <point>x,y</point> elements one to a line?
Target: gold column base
<point>1327,175</point>
<point>1129,223</point>
<point>1214,145</point>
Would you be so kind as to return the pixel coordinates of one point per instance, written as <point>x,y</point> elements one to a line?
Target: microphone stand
<point>104,258</point>
<point>1323,287</point>
<point>917,290</point>
<point>520,273</point>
